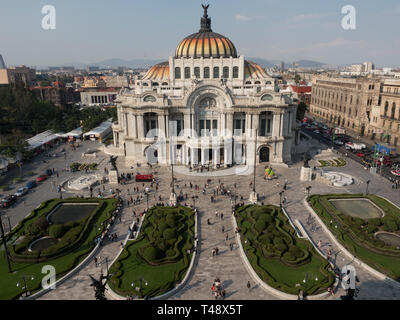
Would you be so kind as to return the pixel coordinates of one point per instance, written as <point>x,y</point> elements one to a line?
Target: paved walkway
<point>228,265</point>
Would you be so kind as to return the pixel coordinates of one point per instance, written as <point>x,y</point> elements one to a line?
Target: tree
<point>301,111</point>
<point>297,79</point>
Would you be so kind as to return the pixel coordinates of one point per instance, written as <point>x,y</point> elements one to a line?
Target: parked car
<point>338,142</point>
<point>8,201</point>
<point>41,178</point>
<point>31,184</point>
<point>21,191</point>
<point>360,154</point>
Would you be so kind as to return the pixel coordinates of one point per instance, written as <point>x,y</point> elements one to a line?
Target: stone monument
<point>306,171</point>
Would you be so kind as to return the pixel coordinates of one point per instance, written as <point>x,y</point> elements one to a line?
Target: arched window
<point>235,72</point>
<point>155,84</point>
<point>216,73</point>
<point>225,72</point>
<point>197,72</point>
<point>393,110</point>
<point>257,82</point>
<point>177,73</point>
<point>164,83</point>
<point>386,109</point>
<point>187,72</point>
<point>206,73</point>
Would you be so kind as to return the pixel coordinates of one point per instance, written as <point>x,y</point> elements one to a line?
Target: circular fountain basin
<point>338,179</point>
<point>42,243</point>
<point>83,182</point>
<point>389,238</point>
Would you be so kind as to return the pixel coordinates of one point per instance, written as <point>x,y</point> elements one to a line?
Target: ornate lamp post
<point>368,182</point>
<point>254,195</point>
<point>172,198</point>
<point>25,288</point>
<point>139,289</point>
<point>308,190</point>
<point>280,198</point>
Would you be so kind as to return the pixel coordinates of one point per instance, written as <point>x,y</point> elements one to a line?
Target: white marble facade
<point>203,106</point>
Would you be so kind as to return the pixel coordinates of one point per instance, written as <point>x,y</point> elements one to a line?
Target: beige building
<point>385,122</point>
<point>17,74</point>
<point>347,103</point>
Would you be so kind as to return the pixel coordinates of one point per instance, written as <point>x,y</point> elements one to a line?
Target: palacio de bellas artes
<point>205,106</point>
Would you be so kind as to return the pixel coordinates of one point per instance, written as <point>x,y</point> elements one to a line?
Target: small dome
<point>253,70</point>
<point>158,72</point>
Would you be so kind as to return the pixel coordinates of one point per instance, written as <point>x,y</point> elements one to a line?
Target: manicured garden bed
<point>75,240</point>
<point>332,162</point>
<point>160,256</point>
<point>281,259</point>
<point>358,235</point>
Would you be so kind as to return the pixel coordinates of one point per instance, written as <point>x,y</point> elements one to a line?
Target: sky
<point>89,31</point>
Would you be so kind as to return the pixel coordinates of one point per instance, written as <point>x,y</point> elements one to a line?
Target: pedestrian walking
<point>216,214</point>
<point>95,261</point>
<point>319,244</point>
<point>248,285</point>
<point>231,246</point>
<point>223,229</point>
<point>226,237</point>
<point>222,216</point>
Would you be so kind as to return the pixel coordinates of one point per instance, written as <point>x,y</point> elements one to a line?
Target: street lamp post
<point>368,182</point>
<point>280,198</point>
<point>308,190</point>
<point>139,289</point>
<point>147,201</point>
<point>25,287</point>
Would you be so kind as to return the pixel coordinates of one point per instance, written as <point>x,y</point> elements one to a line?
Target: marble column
<point>161,125</point>
<point>140,126</point>
<point>229,124</point>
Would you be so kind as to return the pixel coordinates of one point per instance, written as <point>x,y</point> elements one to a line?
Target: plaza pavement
<point>228,265</point>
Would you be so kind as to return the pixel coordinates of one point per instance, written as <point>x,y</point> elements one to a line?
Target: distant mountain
<point>301,63</point>
<point>309,64</point>
<point>134,63</point>
<point>144,63</point>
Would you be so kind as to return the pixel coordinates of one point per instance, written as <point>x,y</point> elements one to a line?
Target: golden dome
<point>205,43</point>
<point>158,72</point>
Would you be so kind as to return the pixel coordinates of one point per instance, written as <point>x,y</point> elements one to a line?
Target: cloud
<point>311,16</point>
<point>239,17</point>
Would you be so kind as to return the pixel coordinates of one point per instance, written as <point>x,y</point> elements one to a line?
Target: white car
<point>21,191</point>
<point>338,142</point>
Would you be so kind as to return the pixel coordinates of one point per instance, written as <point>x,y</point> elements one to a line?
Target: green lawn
<point>280,258</point>
<point>62,264</point>
<point>160,273</point>
<point>360,241</point>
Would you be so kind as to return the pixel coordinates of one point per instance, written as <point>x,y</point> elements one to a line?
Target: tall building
<point>345,102</point>
<point>2,64</point>
<point>200,107</point>
<point>19,74</point>
<point>385,122</point>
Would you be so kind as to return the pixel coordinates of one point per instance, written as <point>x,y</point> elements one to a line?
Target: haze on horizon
<point>91,31</point>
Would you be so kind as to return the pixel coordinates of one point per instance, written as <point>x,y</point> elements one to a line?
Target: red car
<point>144,177</point>
<point>41,178</point>
<point>360,154</point>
